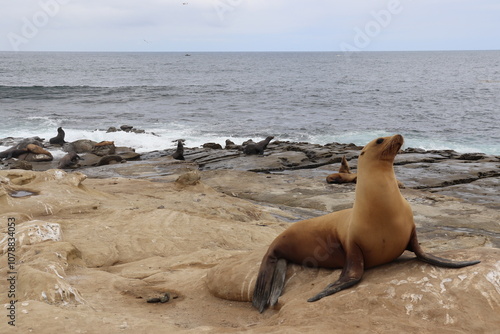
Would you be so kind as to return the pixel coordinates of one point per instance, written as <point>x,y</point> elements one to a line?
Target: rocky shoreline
<point>473,177</point>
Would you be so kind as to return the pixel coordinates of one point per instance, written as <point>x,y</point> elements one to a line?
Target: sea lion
<point>12,153</point>
<point>376,230</point>
<point>59,139</point>
<point>346,176</point>
<point>232,146</point>
<point>36,149</point>
<point>257,148</point>
<point>179,153</point>
<point>69,160</point>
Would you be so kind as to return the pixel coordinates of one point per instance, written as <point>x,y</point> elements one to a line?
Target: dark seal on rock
<point>257,148</point>
<point>12,153</point>
<point>69,160</point>
<point>179,153</point>
<point>213,146</point>
<point>59,139</point>
<point>232,146</point>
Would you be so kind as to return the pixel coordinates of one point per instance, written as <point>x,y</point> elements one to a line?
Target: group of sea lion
<point>249,147</point>
<point>32,150</point>
<point>29,149</point>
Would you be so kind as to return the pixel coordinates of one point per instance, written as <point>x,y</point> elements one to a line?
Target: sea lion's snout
<point>398,139</point>
<point>392,145</point>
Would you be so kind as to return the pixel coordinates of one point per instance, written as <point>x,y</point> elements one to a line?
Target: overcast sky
<point>249,25</point>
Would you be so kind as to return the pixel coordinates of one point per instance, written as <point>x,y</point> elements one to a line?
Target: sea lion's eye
<point>380,140</point>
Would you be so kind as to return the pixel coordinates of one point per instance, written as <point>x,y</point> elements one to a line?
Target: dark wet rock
<point>89,159</point>
<point>129,155</point>
<point>126,128</point>
<point>112,129</point>
<point>103,149</point>
<point>19,164</point>
<point>471,156</point>
<point>414,150</point>
<point>110,159</point>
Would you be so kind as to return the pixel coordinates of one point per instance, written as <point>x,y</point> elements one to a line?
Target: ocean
<point>436,100</point>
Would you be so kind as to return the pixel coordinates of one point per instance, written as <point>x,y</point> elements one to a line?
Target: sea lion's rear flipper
<point>278,282</point>
<point>269,283</point>
<point>414,246</point>
<point>351,274</point>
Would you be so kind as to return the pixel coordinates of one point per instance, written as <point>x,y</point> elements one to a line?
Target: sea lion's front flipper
<point>414,246</point>
<point>270,282</point>
<point>351,274</point>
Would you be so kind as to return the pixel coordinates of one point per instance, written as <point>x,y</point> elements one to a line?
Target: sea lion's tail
<point>269,283</point>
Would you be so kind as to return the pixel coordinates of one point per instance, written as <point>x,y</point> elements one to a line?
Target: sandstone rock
<point>32,232</point>
<point>188,179</point>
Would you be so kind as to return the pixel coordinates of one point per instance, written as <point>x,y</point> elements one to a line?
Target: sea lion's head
<point>383,149</point>
<point>344,167</point>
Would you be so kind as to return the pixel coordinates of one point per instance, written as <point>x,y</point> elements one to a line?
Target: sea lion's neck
<point>377,185</point>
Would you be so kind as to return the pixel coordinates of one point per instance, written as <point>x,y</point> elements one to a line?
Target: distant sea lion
<point>377,230</point>
<point>232,146</point>
<point>257,148</point>
<point>346,176</point>
<point>179,153</point>
<point>104,143</point>
<point>59,139</point>
<point>12,153</point>
<point>69,160</point>
<point>35,149</point>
